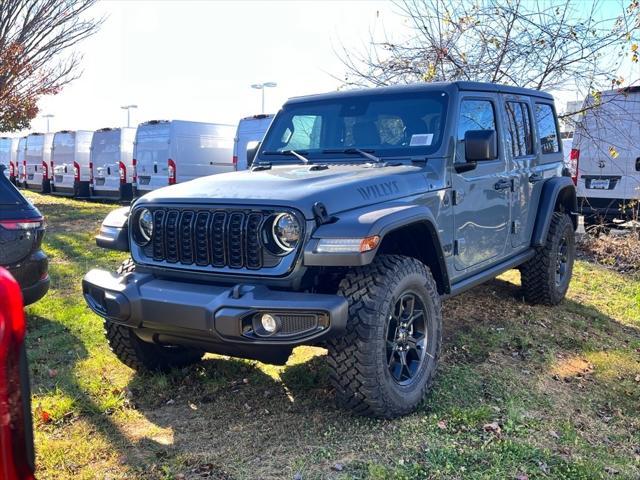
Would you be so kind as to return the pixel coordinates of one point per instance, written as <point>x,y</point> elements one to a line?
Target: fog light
<point>269,323</point>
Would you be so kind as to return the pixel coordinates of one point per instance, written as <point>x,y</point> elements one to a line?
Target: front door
<point>482,195</point>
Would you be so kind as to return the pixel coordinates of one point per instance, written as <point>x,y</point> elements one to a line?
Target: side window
<point>303,134</point>
<point>519,120</point>
<point>547,132</point>
<point>475,115</point>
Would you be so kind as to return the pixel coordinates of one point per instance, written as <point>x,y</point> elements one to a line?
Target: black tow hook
<point>237,292</point>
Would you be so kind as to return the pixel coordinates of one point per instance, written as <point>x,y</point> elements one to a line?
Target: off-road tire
<point>358,359</point>
<point>538,275</point>
<point>141,355</point>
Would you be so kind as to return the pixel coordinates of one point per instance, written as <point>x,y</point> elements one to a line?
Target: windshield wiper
<point>303,159</point>
<point>363,153</point>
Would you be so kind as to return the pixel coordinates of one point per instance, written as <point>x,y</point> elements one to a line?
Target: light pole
<point>48,116</point>
<point>262,86</point>
<point>128,109</point>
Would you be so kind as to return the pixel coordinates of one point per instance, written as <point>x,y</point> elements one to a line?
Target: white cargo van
<point>22,163</point>
<point>250,131</point>
<point>37,158</point>
<point>70,163</point>
<point>605,157</point>
<point>9,157</point>
<point>168,152</point>
<point>112,163</point>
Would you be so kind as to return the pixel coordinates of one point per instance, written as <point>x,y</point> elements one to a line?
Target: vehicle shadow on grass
<point>247,420</point>
<point>229,418</point>
<point>60,401</point>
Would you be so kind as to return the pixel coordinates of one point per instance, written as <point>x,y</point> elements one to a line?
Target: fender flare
<point>374,220</point>
<point>553,190</point>
<point>114,231</point>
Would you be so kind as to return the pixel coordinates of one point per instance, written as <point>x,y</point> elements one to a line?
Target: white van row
<point>122,163</point>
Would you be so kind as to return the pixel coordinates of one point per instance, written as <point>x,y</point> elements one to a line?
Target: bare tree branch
<point>36,53</point>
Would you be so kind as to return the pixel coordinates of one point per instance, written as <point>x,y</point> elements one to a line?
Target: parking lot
<point>522,391</point>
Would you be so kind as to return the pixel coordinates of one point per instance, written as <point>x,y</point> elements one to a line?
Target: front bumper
<point>218,318</point>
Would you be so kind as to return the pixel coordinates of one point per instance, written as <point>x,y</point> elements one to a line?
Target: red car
<point>16,430</point>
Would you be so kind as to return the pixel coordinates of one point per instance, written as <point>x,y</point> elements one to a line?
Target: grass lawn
<point>522,391</point>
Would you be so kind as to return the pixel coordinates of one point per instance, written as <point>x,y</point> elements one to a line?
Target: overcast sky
<point>196,60</point>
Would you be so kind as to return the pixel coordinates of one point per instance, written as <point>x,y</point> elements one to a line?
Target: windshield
<point>389,125</point>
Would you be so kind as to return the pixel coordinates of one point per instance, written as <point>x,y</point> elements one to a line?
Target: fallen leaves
<point>492,427</point>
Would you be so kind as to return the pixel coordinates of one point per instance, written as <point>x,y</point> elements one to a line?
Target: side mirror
<point>480,145</point>
<point>252,149</point>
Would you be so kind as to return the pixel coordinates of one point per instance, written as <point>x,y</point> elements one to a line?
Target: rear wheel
<point>546,277</point>
<point>141,355</point>
<point>384,364</point>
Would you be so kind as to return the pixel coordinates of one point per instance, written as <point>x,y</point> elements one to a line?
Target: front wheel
<point>546,277</point>
<point>384,364</point>
<point>141,355</point>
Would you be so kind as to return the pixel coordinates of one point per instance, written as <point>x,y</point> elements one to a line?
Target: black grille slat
<point>186,240</point>
<point>171,236</point>
<point>253,249</point>
<point>235,249</point>
<point>201,238</point>
<point>218,239</point>
<point>158,239</point>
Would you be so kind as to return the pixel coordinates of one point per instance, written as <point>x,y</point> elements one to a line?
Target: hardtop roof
<point>424,87</point>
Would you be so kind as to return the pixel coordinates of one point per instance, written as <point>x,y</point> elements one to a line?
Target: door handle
<point>638,164</point>
<point>502,185</point>
<point>535,177</point>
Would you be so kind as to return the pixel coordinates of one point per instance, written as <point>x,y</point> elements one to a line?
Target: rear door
<point>152,156</point>
<point>33,157</point>
<point>21,159</point>
<point>482,195</point>
<point>63,158</point>
<point>607,140</point>
<point>105,157</point>
<point>520,150</point>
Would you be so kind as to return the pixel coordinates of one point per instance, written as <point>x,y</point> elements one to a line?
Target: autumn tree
<point>540,44</point>
<point>36,53</point>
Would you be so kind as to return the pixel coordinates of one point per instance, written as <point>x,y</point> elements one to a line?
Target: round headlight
<point>286,231</point>
<point>145,224</point>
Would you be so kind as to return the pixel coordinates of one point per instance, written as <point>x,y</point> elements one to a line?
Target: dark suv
<point>361,211</point>
<point>21,233</point>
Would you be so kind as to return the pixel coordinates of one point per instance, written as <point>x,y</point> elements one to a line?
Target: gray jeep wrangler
<point>361,211</point>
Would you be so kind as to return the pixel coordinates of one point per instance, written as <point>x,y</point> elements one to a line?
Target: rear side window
<point>476,115</point>
<point>519,121</point>
<point>547,131</point>
<point>8,193</point>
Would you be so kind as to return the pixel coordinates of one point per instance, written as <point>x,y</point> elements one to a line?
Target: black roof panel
<point>424,87</point>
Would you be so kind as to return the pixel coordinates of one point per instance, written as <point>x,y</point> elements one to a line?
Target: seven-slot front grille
<point>220,238</point>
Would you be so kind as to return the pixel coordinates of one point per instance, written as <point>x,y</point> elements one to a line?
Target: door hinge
<point>456,197</point>
<point>515,227</point>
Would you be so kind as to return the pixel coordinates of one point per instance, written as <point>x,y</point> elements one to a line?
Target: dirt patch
<point>620,252</point>
<point>571,367</point>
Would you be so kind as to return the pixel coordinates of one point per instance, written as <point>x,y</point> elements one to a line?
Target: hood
<point>339,187</point>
